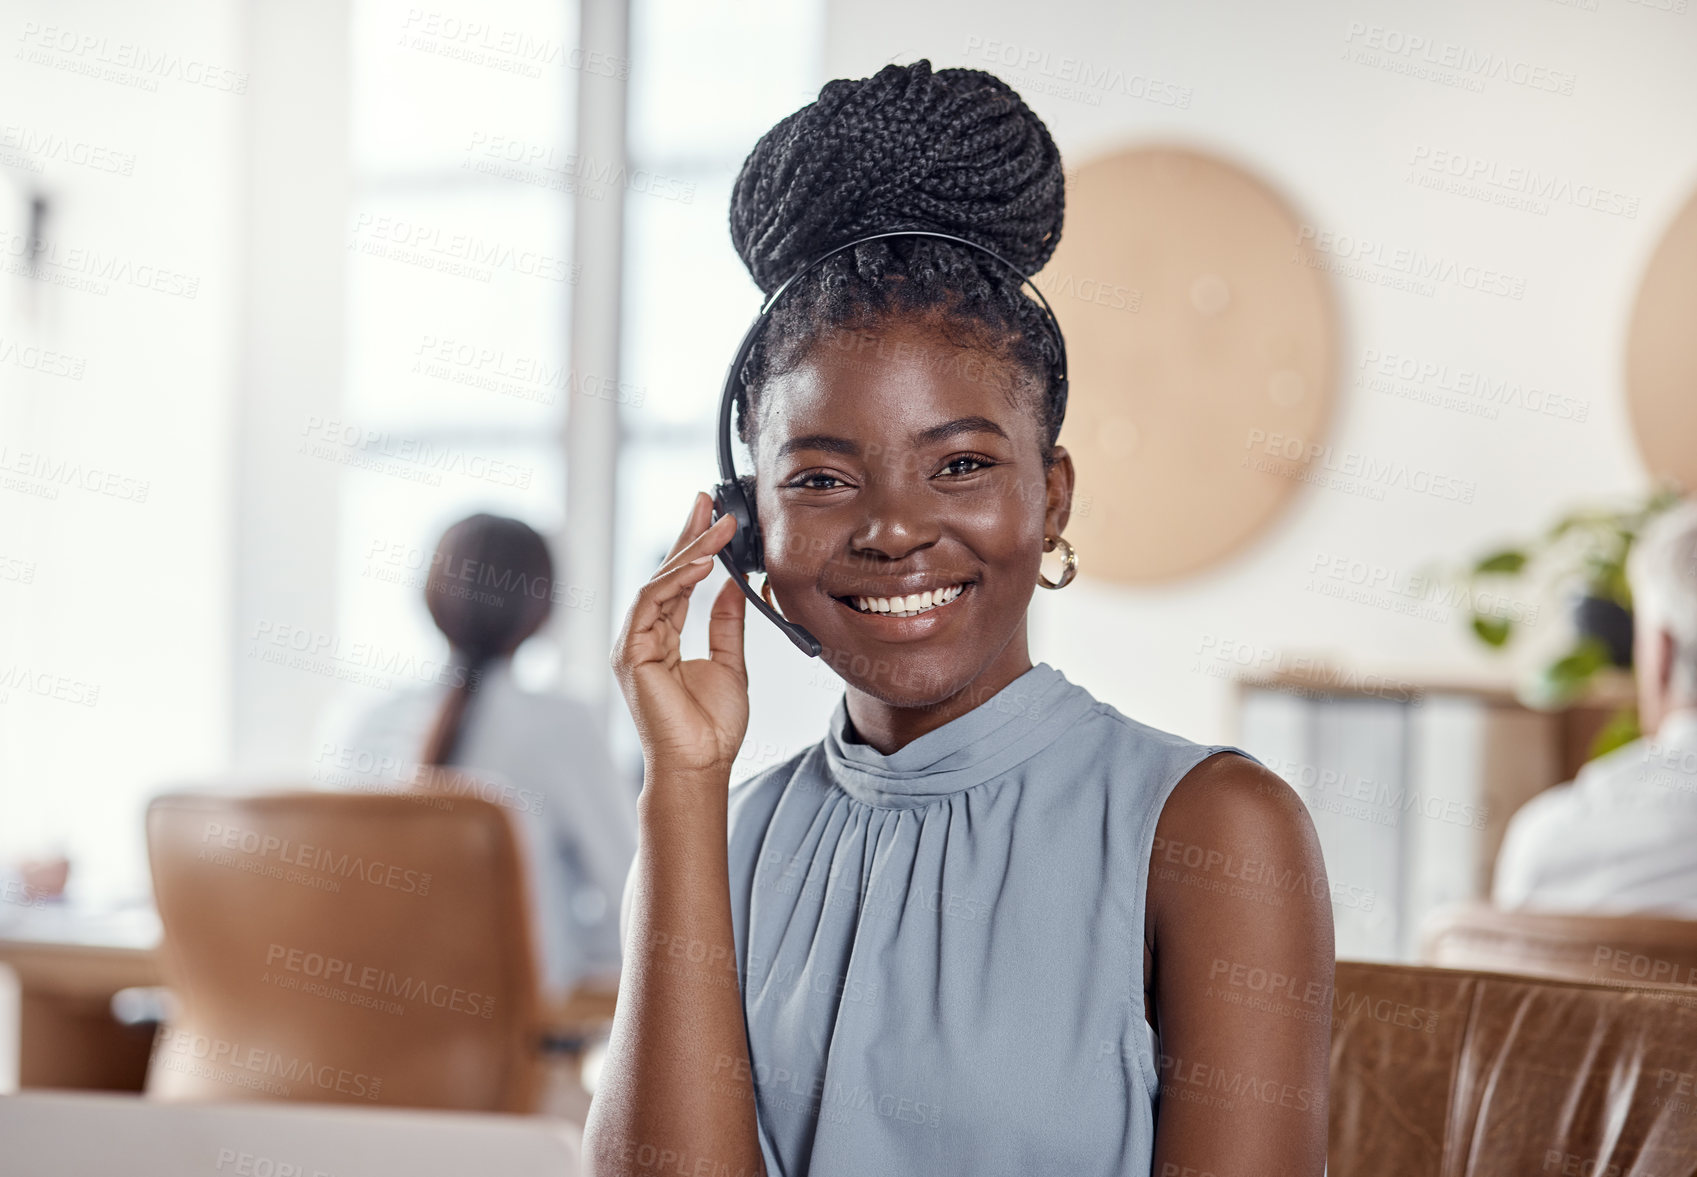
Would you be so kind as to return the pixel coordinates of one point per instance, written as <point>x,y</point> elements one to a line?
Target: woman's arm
<point>676,1092</point>
<point>1240,925</point>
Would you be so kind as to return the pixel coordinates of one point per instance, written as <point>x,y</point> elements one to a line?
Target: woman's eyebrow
<point>844,445</point>
<point>957,427</point>
<point>820,441</point>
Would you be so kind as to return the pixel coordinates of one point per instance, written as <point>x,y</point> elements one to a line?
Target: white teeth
<point>909,605</point>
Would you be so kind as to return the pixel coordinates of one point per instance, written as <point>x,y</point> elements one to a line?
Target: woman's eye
<point>811,481</point>
<point>953,466</point>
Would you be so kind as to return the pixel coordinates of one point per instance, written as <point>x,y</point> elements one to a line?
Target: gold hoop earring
<point>1050,543</point>
<point>766,595</point>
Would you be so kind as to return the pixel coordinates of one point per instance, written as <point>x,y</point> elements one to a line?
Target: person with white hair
<point>1621,838</point>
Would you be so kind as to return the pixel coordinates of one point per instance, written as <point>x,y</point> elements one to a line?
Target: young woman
<point>988,924</point>
<point>491,586</point>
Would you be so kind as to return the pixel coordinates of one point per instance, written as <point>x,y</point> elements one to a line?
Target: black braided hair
<point>954,151</point>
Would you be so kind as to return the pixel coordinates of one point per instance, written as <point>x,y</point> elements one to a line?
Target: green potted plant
<point>1583,554</point>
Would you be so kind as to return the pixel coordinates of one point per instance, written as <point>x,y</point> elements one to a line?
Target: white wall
<point>114,540</point>
<point>1269,86</point>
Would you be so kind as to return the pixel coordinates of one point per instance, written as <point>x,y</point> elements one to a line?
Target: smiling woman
<point>986,924</point>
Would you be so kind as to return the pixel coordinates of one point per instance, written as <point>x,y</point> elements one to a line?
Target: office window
<point>460,283</point>
<point>687,298</point>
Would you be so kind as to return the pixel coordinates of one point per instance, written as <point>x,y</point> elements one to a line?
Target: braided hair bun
<point>954,151</point>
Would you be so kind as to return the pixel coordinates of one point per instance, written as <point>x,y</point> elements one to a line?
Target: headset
<point>734,495</point>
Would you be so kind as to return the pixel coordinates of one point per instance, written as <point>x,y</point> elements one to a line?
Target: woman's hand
<point>691,716</point>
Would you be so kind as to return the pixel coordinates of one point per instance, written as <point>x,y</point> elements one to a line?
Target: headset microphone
<point>734,495</point>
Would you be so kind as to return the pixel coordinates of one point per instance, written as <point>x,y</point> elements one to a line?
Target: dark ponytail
<point>490,587</point>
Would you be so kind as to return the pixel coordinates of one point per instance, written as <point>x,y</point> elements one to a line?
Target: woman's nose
<point>895,519</point>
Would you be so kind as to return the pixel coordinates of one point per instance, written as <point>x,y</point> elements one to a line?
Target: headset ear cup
<point>749,524</point>
<point>729,498</point>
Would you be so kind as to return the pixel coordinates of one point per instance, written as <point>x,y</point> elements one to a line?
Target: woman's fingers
<point>655,624</point>
<point>725,626</point>
<point>700,522</point>
<point>693,526</point>
<point>716,536</point>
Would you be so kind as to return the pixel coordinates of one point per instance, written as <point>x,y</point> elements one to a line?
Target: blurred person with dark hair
<point>1619,839</point>
<point>490,588</point>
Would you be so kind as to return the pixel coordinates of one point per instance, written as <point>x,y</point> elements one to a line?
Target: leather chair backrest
<point>1449,1073</point>
<point>342,947</point>
<point>1604,949</point>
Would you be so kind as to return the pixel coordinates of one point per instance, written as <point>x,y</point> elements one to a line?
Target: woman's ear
<point>1060,483</point>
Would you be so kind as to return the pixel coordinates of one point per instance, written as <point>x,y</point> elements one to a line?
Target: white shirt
<point>1620,839</point>
<point>541,757</point>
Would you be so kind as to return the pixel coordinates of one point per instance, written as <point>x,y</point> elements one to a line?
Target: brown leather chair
<point>1607,950</point>
<point>1448,1073</point>
<point>344,947</point>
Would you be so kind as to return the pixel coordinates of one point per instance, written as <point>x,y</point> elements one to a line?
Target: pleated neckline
<point>1013,725</point>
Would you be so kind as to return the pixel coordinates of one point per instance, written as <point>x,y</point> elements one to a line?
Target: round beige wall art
<point>1201,346</point>
<point>1661,356</point>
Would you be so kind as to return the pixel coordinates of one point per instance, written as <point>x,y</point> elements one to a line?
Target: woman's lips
<point>914,625</point>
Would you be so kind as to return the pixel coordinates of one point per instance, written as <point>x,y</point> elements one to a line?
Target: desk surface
<point>64,950</point>
<point>54,947</point>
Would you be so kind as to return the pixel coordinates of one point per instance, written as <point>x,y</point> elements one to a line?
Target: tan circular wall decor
<point>1661,355</point>
<point>1201,342</point>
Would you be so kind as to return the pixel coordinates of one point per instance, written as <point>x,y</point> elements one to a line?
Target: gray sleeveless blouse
<point>941,950</point>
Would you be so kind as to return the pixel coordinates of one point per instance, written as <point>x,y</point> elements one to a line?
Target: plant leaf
<point>1507,561</point>
<point>1620,730</point>
<point>1493,631</point>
